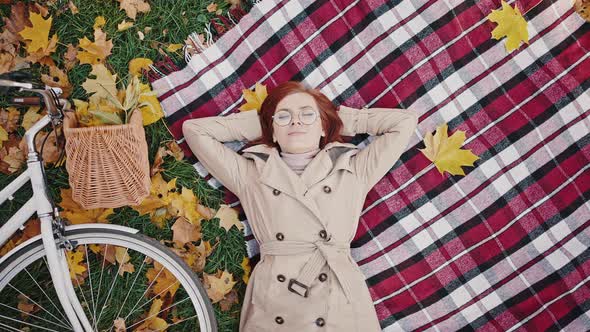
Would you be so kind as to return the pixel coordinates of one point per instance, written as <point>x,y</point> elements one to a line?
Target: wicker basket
<point>108,165</point>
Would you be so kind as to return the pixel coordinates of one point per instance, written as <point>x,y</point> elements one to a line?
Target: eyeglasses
<point>283,118</point>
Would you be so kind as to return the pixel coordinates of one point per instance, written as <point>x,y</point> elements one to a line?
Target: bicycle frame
<point>46,212</point>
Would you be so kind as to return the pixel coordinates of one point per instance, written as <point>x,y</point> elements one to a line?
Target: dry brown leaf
<point>97,51</point>
<point>57,78</point>
<point>132,7</point>
<point>582,7</point>
<point>228,217</point>
<point>119,325</point>
<point>212,7</point>
<point>218,285</point>
<point>73,8</point>
<point>9,118</point>
<point>70,57</point>
<point>183,231</point>
<point>163,281</point>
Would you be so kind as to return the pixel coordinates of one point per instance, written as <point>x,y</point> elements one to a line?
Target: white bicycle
<point>40,290</point>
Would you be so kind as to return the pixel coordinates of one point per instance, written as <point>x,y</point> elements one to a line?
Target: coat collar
<point>277,174</point>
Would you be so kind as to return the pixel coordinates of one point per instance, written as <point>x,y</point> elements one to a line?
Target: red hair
<point>331,122</point>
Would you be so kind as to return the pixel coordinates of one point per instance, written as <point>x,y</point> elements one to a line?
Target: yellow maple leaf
<point>104,85</point>
<point>135,65</point>
<point>152,322</point>
<point>151,111</point>
<point>75,258</point>
<point>75,214</point>
<point>510,24</point>
<point>163,281</point>
<point>174,47</point>
<point>97,51</point>
<point>246,267</point>
<point>38,33</point>
<point>99,22</point>
<point>3,136</point>
<point>218,287</point>
<point>30,117</point>
<point>185,204</point>
<point>228,217</point>
<point>254,99</point>
<point>446,151</point>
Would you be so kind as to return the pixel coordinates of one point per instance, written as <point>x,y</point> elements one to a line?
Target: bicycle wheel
<point>124,282</point>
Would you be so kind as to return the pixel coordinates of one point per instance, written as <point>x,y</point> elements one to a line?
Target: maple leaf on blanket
<point>510,24</point>
<point>254,99</point>
<point>446,151</point>
<point>582,7</point>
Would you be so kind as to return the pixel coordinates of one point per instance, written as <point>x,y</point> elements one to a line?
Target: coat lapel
<point>277,174</point>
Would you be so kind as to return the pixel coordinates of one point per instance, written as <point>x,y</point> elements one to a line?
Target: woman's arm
<point>393,126</point>
<point>205,137</point>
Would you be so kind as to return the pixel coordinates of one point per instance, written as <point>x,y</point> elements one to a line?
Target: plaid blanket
<point>504,247</point>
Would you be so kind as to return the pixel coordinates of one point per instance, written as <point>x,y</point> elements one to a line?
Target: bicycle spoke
<point>100,283</point>
<point>47,296</point>
<point>41,307</point>
<point>150,300</point>
<point>27,323</point>
<point>31,315</point>
<point>8,326</point>
<point>91,291</point>
<point>144,292</point>
<point>129,292</point>
<point>112,286</point>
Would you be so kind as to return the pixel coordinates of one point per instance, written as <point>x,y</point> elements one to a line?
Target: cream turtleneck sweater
<point>298,161</point>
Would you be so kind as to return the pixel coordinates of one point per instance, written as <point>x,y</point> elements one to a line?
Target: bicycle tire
<point>32,254</point>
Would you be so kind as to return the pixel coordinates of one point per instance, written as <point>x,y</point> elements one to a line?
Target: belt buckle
<point>293,281</point>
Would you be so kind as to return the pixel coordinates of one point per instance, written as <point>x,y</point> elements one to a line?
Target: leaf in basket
<point>85,119</point>
<point>104,85</point>
<point>107,117</point>
<point>131,94</point>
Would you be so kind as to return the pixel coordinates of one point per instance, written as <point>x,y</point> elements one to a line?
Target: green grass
<point>170,22</point>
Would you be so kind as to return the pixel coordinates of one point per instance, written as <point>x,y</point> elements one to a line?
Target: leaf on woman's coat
<point>510,24</point>
<point>446,152</point>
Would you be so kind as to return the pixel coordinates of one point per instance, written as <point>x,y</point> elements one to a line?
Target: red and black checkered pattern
<point>504,247</point>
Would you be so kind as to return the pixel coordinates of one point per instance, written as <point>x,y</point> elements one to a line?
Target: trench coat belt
<point>331,252</point>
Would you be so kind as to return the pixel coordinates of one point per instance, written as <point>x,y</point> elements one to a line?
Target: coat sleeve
<point>205,137</point>
<point>393,128</point>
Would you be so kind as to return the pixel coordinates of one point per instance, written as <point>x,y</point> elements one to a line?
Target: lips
<point>296,133</point>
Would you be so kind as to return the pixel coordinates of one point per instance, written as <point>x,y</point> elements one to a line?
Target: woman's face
<point>301,133</point>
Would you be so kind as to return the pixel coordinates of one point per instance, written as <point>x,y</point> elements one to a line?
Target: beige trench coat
<point>304,223</point>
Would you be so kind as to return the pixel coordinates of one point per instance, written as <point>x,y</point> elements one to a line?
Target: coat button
<point>323,277</point>
<point>323,234</point>
<point>320,322</point>
<point>280,236</point>
<point>281,277</point>
<point>280,320</point>
<point>276,192</point>
<point>327,189</point>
